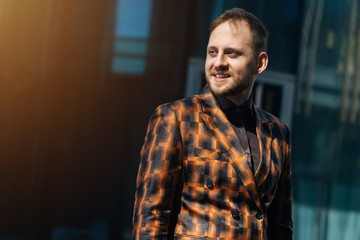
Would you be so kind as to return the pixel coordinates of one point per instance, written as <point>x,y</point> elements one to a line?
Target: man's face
<point>231,65</point>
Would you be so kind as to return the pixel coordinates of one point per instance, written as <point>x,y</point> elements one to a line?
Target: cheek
<point>243,68</point>
<point>207,66</point>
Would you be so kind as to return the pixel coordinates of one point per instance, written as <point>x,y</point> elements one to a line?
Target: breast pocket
<point>213,154</point>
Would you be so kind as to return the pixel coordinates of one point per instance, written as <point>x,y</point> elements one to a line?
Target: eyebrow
<point>226,48</point>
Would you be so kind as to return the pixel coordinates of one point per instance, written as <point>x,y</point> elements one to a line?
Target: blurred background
<point>80,78</point>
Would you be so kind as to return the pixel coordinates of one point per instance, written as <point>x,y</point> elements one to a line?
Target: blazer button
<point>209,183</point>
<point>235,214</point>
<point>258,216</point>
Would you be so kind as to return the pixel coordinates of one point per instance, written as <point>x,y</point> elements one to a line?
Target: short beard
<point>236,90</point>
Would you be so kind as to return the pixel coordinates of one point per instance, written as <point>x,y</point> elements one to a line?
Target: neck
<point>239,99</point>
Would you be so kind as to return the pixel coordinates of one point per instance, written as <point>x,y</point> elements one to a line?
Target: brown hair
<point>257,28</point>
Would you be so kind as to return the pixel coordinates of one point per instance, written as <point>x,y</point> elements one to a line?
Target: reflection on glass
<point>326,130</point>
<point>132,29</point>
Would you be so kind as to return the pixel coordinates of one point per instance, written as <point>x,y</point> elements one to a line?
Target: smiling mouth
<point>221,76</point>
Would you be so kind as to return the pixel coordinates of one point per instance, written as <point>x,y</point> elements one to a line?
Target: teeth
<point>220,76</point>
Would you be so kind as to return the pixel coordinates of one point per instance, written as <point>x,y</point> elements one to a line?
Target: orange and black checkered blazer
<point>194,181</point>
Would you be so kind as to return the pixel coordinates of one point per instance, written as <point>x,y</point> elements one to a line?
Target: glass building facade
<point>326,156</point>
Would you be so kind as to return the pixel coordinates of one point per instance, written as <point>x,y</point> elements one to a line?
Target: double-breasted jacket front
<point>194,181</point>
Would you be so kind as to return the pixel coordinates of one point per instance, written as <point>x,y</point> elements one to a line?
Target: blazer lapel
<point>264,134</point>
<point>218,124</point>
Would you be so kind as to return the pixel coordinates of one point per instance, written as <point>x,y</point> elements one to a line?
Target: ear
<point>262,62</point>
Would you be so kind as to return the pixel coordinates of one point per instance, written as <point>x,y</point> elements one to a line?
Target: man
<point>215,166</point>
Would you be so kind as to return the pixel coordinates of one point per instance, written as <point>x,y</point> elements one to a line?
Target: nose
<point>220,61</point>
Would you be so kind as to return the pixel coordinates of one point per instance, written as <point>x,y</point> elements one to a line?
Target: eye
<point>212,52</point>
<point>232,54</point>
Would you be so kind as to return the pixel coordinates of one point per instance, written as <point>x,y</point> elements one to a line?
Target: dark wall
<point>71,129</point>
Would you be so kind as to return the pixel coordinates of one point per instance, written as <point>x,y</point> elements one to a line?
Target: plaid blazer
<point>194,181</point>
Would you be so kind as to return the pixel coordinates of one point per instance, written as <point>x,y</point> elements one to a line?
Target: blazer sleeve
<point>158,181</point>
<point>280,224</point>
